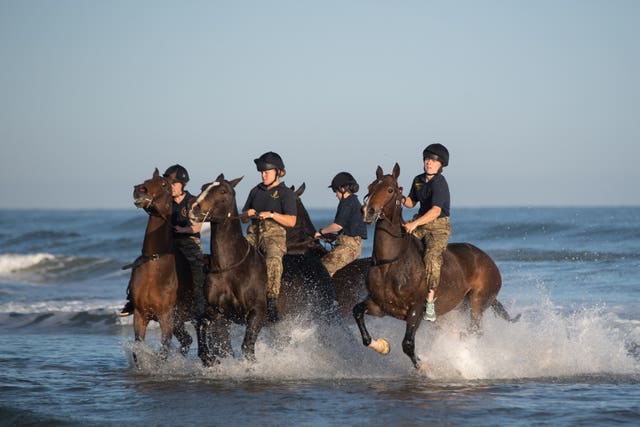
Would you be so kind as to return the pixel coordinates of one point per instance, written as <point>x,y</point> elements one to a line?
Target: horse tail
<point>499,309</point>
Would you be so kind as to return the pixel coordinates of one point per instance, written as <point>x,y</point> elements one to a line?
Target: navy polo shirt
<point>434,192</point>
<point>280,199</point>
<point>349,217</point>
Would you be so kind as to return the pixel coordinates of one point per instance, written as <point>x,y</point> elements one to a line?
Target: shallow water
<point>572,359</point>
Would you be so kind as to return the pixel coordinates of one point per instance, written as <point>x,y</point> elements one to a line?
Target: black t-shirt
<point>180,215</point>
<point>280,199</point>
<point>349,217</point>
<point>434,192</point>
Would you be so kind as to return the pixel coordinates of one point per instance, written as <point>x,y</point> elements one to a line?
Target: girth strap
<point>141,260</point>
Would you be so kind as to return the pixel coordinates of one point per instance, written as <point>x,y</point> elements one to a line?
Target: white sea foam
<point>542,344</point>
<point>11,263</point>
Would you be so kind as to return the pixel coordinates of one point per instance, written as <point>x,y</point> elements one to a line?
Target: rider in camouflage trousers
<point>431,224</point>
<point>271,205</point>
<point>348,222</point>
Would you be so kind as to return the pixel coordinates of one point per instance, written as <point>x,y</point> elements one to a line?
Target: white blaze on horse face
<point>206,191</point>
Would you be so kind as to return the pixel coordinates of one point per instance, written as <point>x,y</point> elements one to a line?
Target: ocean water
<point>572,359</point>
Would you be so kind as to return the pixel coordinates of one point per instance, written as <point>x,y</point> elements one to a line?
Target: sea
<point>573,358</point>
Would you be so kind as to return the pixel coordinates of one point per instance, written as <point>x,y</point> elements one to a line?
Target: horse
<point>160,288</point>
<point>235,288</point>
<point>395,280</point>
<point>348,282</point>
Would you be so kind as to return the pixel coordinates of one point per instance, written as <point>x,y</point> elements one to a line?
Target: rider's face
<point>432,166</point>
<point>176,189</point>
<point>269,176</point>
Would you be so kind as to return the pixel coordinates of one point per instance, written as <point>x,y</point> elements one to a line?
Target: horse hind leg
<point>408,343</point>
<point>477,304</point>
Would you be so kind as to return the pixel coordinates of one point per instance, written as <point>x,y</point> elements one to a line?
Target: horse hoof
<point>424,368</point>
<point>381,346</point>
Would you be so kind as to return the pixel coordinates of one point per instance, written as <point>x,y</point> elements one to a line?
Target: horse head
<point>216,201</point>
<point>384,196</point>
<point>154,196</point>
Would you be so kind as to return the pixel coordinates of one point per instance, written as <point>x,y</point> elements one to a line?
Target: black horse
<point>236,283</point>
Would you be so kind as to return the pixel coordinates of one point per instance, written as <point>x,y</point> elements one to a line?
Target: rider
<point>186,237</point>
<point>347,222</point>
<point>271,206</point>
<point>431,223</point>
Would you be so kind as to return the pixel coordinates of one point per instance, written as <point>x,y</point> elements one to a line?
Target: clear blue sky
<point>537,101</point>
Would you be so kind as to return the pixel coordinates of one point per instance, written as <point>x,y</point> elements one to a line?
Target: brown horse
<point>158,290</point>
<point>396,278</point>
<point>236,284</point>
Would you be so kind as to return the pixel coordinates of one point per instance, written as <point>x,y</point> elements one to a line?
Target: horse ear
<point>300,189</point>
<point>379,173</point>
<point>396,171</point>
<point>236,181</point>
<point>156,173</point>
<point>220,178</point>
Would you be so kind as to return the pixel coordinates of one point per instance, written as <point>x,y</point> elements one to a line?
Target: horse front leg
<point>221,338</point>
<point>369,307</point>
<point>203,329</point>
<point>183,337</point>
<point>166,333</point>
<point>254,325</point>
<point>414,317</point>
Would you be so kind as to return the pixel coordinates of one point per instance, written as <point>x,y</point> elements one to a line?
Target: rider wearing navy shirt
<point>271,206</point>
<point>347,222</point>
<point>431,223</point>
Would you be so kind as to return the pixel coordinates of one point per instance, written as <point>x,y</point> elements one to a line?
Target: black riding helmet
<point>177,173</point>
<point>346,181</point>
<point>270,160</point>
<point>436,152</point>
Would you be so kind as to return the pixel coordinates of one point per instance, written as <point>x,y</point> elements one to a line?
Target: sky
<point>538,102</point>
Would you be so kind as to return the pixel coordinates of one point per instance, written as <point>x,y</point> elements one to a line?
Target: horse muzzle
<point>371,215</point>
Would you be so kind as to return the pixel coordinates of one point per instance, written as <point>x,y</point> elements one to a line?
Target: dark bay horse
<point>158,290</point>
<point>349,281</point>
<point>236,284</point>
<point>396,277</point>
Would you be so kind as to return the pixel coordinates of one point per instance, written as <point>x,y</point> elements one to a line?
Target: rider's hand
<point>410,226</point>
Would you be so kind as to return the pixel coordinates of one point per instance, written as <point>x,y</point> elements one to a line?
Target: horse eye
<point>390,190</point>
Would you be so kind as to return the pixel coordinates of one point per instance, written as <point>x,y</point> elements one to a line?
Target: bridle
<point>395,199</point>
<point>379,216</point>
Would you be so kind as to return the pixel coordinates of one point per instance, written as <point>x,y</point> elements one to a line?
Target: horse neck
<point>227,237</point>
<point>389,238</point>
<point>158,237</point>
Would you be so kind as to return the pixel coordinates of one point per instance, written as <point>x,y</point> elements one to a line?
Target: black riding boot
<point>198,305</point>
<point>272,309</point>
<point>127,310</point>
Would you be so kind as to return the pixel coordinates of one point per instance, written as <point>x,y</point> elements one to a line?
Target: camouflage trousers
<point>435,236</point>
<point>191,249</point>
<point>347,249</point>
<point>270,238</point>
